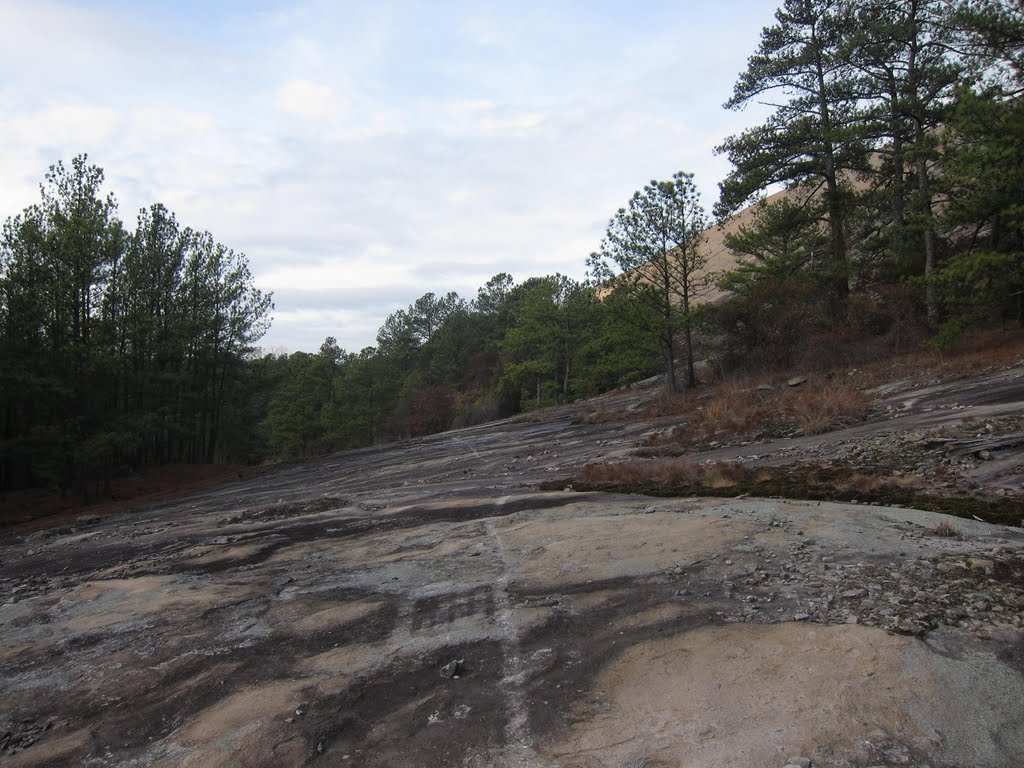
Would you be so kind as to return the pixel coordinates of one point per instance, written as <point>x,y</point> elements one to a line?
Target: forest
<point>896,135</point>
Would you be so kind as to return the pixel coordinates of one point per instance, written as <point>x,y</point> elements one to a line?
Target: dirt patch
<point>334,616</point>
<point>241,714</point>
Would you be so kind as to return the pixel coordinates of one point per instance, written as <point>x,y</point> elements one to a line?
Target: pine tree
<point>812,137</point>
<point>653,252</point>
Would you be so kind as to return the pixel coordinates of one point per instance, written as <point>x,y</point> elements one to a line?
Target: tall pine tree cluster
<point>120,349</point>
<point>893,124</point>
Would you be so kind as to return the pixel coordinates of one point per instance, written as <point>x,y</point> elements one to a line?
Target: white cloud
<point>309,100</point>
<point>376,269</point>
<point>362,155</point>
<point>471,106</point>
<point>480,118</point>
<point>31,31</point>
<point>31,141</point>
<point>57,126</point>
<point>353,330</point>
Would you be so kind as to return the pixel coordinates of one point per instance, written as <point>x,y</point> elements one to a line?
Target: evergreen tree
<point>812,138</point>
<point>120,349</point>
<point>910,56</point>
<point>653,252</point>
<point>551,324</point>
<point>984,170</point>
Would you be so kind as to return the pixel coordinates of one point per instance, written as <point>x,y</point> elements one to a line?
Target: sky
<point>362,154</point>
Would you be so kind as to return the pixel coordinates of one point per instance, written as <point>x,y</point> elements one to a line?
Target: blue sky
<point>362,154</point>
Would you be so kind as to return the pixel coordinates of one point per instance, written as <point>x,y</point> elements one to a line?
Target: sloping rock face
<point>424,604</point>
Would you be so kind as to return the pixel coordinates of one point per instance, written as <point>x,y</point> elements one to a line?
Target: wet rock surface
<point>424,604</point>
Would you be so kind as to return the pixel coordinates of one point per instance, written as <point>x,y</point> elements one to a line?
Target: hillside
<point>428,603</point>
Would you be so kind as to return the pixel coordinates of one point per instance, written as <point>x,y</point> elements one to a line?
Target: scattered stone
<point>454,669</point>
<point>796,381</point>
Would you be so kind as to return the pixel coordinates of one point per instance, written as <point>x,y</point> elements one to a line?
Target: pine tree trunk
<point>670,368</point>
<point>691,375</point>
<point>931,296</point>
<point>839,286</point>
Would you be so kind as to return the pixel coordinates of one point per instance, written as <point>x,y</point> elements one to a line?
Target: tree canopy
<point>653,253</point>
<point>120,348</point>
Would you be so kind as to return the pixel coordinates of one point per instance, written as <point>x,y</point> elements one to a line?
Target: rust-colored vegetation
<point>804,480</point>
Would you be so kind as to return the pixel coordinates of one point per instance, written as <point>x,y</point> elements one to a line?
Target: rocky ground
<point>426,604</point>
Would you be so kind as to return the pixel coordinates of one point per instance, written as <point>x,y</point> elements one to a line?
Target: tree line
<point>895,136</point>
<point>447,362</point>
<point>896,121</point>
<point>895,133</point>
<point>121,349</point>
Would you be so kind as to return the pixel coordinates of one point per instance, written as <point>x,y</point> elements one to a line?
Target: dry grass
<point>805,480</point>
<point>982,351</point>
<point>728,408</point>
<point>744,407</point>
<point>35,509</point>
<point>757,407</point>
<point>836,405</point>
<point>682,472</point>
<point>718,477</point>
<point>977,352</point>
<point>667,472</point>
<point>737,406</point>
<point>944,529</point>
<point>868,485</point>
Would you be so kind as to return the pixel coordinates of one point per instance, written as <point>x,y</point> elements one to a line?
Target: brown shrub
<point>743,407</point>
<point>735,407</point>
<point>983,350</point>
<point>664,473</point>
<point>430,411</point>
<point>862,483</point>
<point>838,404</point>
<point>719,475</point>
